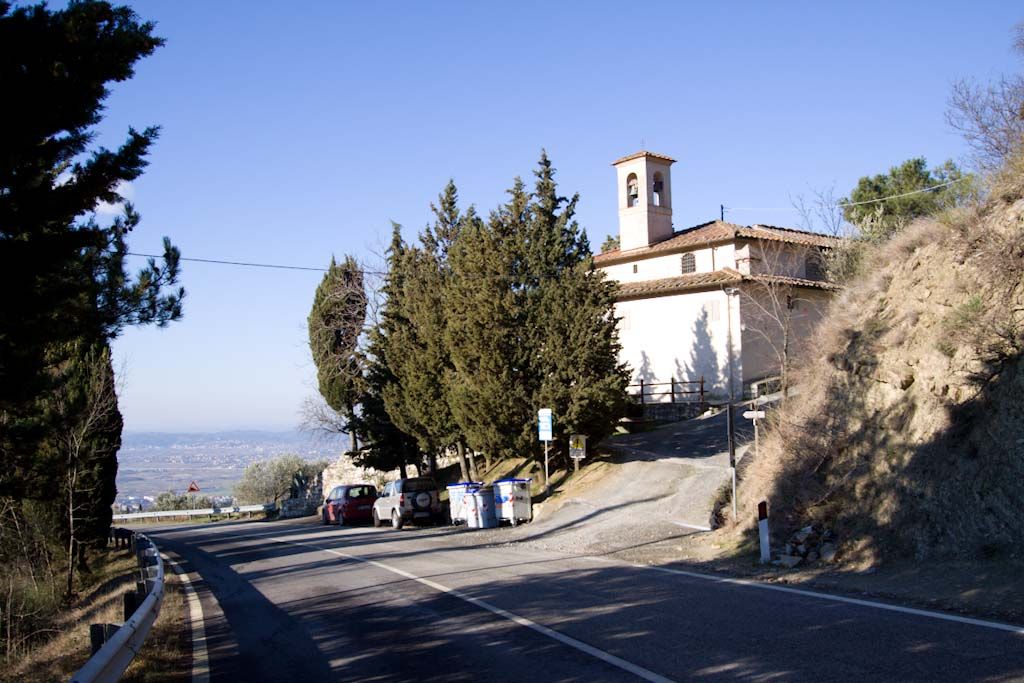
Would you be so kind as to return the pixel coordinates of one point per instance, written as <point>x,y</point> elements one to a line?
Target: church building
<point>693,302</point>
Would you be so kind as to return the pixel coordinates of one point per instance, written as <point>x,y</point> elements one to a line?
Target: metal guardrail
<point>114,646</point>
<point>270,507</point>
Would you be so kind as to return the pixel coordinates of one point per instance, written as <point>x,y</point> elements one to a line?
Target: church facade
<point>695,302</point>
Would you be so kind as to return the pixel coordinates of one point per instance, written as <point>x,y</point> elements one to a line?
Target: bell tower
<point>644,186</point>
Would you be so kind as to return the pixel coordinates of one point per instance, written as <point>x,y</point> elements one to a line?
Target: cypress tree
<point>387,445</point>
<point>571,311</point>
<point>336,323</point>
<point>67,269</point>
<point>489,393</point>
<point>426,367</point>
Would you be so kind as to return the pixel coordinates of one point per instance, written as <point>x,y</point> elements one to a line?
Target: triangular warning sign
<point>193,487</point>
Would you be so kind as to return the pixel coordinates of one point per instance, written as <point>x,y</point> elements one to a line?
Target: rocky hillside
<point>907,436</point>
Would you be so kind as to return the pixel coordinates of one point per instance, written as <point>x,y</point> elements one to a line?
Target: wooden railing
<point>678,391</point>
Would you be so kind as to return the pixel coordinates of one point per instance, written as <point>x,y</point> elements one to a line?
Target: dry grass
<point>113,574</point>
<point>907,435</point>
<point>167,655</point>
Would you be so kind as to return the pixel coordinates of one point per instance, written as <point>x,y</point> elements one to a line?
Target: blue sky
<point>294,132</point>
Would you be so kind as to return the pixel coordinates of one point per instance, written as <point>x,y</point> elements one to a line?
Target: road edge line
<point>860,602</point>
<point>601,655</point>
<point>197,623</point>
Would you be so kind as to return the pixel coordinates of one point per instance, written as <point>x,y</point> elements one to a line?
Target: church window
<point>688,263</point>
<point>632,190</point>
<point>634,267</point>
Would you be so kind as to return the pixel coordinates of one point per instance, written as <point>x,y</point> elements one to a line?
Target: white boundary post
<point>762,531</point>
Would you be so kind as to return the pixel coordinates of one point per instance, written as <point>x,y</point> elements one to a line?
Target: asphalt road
<point>290,601</point>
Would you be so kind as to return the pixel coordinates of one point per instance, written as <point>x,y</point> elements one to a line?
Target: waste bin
<point>457,499</point>
<point>512,501</point>
<point>479,507</point>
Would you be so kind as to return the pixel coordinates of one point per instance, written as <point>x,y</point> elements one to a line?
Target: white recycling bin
<point>457,499</point>
<point>479,507</point>
<point>512,501</point>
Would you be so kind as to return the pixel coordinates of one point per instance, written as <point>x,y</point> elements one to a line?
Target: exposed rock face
<point>907,435</point>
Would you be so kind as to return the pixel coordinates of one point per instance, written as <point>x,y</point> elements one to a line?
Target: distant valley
<point>152,462</point>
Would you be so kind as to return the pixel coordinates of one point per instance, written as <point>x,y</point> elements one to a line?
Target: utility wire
<point>241,263</point>
<point>278,266</point>
<point>843,204</point>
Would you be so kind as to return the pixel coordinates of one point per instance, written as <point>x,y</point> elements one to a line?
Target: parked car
<point>408,500</point>
<point>349,503</point>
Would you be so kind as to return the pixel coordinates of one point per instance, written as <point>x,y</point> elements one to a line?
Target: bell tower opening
<point>645,205</point>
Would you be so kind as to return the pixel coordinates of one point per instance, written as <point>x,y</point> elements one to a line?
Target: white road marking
<point>1019,630</point>
<point>605,657</point>
<point>197,624</point>
<point>692,526</point>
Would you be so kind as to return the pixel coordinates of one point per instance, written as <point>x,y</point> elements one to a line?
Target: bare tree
<point>990,116</point>
<point>774,298</point>
<point>822,212</point>
<point>86,405</point>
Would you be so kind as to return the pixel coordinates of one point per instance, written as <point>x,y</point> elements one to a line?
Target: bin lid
<point>464,484</point>
<point>513,481</point>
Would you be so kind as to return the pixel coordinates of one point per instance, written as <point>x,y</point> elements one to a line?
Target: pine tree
<point>336,323</point>
<point>68,269</point>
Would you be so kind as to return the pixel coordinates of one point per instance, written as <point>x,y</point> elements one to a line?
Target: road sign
<point>578,446</point>
<point>754,414</point>
<point>544,421</point>
<point>193,487</point>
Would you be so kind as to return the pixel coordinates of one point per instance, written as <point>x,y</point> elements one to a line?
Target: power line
<point>844,204</point>
<point>243,263</point>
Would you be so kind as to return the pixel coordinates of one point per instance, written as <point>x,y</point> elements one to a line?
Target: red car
<point>349,503</point>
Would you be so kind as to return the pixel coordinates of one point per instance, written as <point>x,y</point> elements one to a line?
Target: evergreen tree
<point>387,446</point>
<point>426,370</point>
<point>575,343</point>
<point>489,395</point>
<point>68,269</point>
<point>877,220</point>
<point>336,323</point>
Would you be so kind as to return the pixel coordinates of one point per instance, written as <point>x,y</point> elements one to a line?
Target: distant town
<point>150,463</point>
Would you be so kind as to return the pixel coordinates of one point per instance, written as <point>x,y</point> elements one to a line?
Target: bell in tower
<point>645,199</point>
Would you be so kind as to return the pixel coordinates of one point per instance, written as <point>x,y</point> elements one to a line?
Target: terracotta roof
<point>638,155</point>
<point>714,232</point>
<point>679,283</point>
<point>709,280</point>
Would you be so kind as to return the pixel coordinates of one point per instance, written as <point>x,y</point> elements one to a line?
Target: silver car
<point>408,500</point>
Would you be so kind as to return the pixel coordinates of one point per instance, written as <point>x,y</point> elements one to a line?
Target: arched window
<point>688,263</point>
<point>659,190</point>
<point>813,269</point>
<point>632,190</point>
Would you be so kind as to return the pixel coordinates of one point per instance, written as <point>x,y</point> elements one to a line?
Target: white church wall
<point>681,336</point>
<point>705,260</point>
<point>762,337</point>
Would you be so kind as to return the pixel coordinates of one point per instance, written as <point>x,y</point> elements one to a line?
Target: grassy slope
<point>908,435</point>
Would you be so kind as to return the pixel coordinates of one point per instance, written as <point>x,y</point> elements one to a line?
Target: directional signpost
<point>544,431</point>
<point>577,449</point>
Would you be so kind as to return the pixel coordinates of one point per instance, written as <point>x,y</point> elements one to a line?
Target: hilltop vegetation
<point>907,436</point>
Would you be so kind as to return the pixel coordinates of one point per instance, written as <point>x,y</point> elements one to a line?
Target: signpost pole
<point>547,483</point>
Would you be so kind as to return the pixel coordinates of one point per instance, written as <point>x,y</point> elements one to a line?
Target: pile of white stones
<point>810,544</point>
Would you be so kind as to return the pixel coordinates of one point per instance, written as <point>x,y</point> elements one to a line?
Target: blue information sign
<point>544,424</point>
